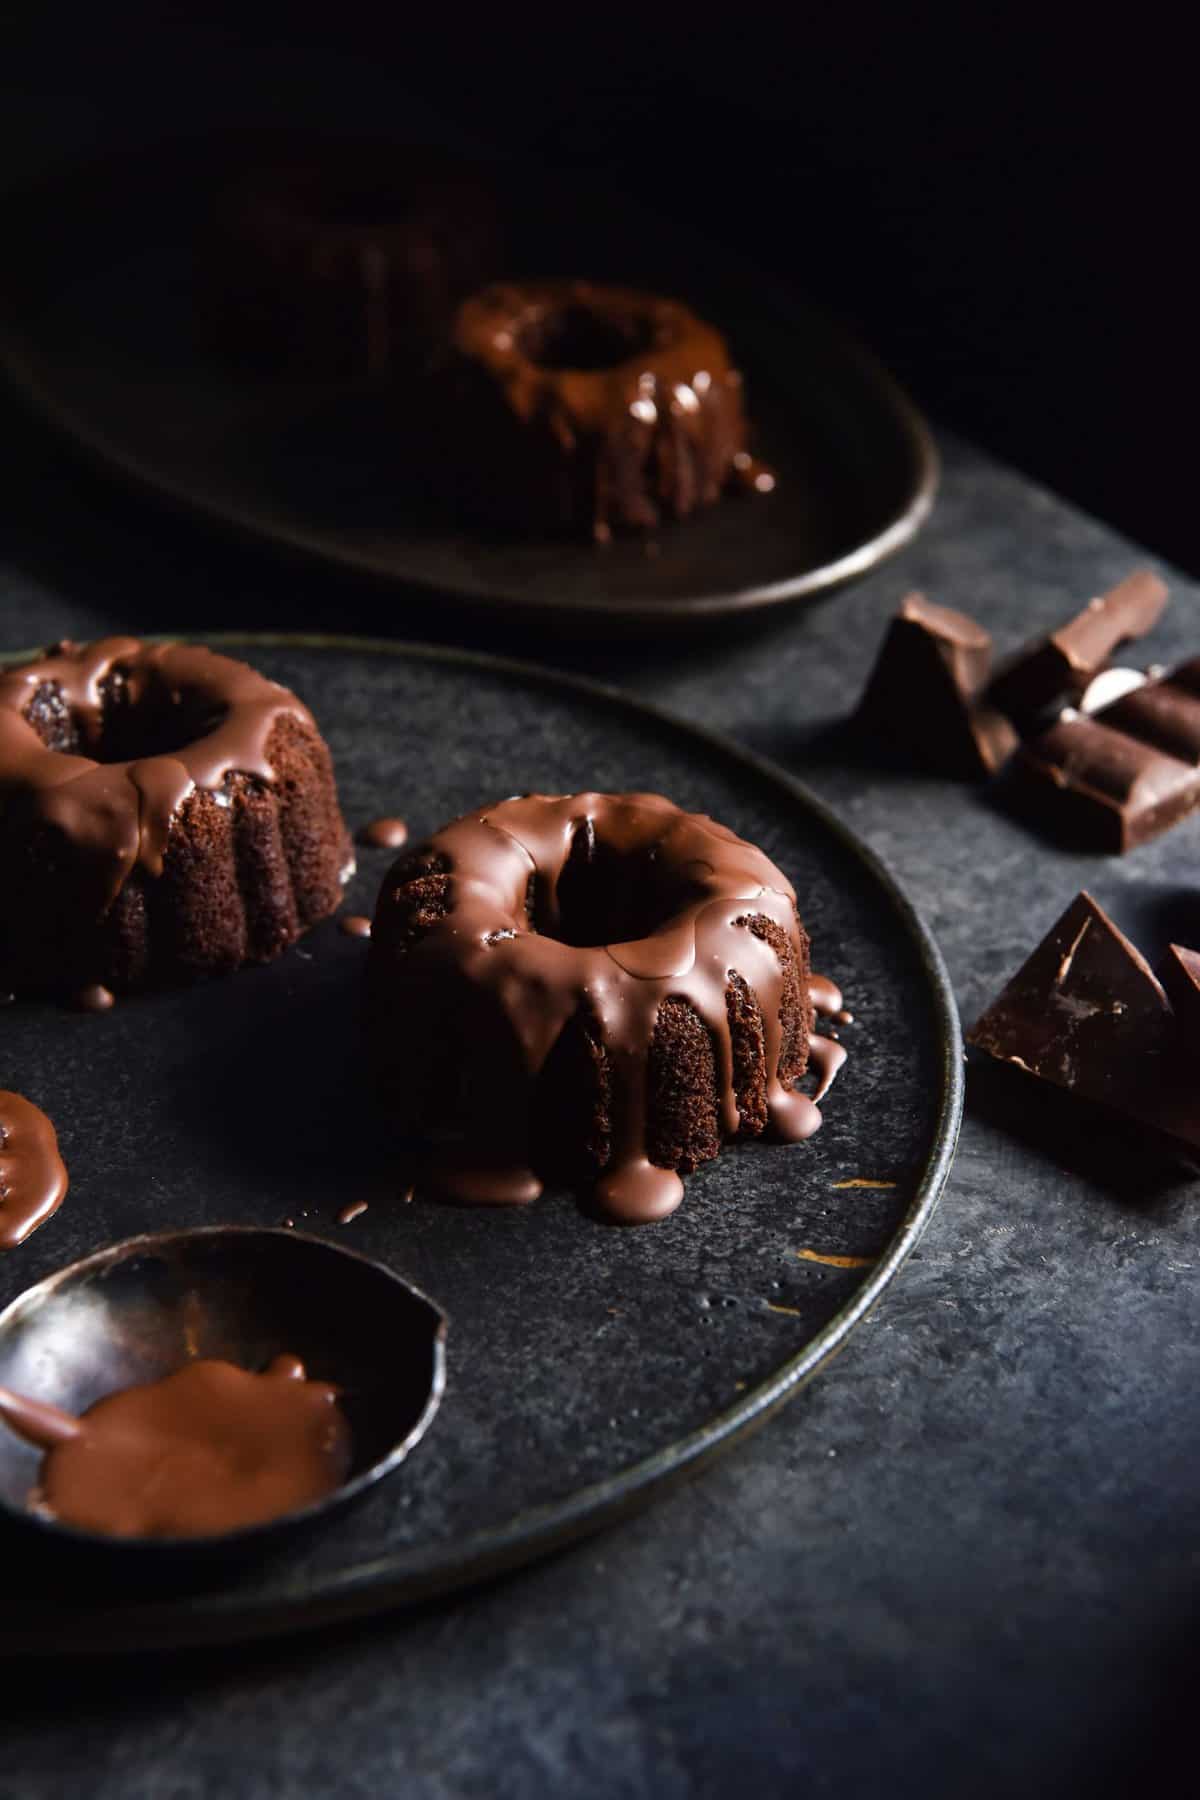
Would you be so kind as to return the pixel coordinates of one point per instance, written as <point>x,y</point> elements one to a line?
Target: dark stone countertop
<point>964,1560</point>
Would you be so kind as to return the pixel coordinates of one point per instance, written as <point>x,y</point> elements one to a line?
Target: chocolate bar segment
<point>1097,786</point>
<point>1161,713</point>
<point>923,692</point>
<point>1059,667</point>
<point>1123,775</point>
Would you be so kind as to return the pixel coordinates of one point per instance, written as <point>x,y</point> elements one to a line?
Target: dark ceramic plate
<point>586,1365</point>
<point>99,327</point>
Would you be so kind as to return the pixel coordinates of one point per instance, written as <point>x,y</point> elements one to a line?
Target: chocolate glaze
<point>384,834</point>
<point>120,812</point>
<point>209,1449</point>
<point>530,983</point>
<point>825,995</point>
<point>354,925</point>
<point>33,1176</point>
<point>618,405</point>
<point>827,1057</point>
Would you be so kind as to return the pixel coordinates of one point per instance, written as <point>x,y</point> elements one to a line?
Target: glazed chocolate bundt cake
<point>592,408</point>
<point>164,812</point>
<point>591,988</point>
<point>346,261</point>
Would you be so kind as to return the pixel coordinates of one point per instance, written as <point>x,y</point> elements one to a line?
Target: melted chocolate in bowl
<point>141,1359</point>
<point>210,1449</point>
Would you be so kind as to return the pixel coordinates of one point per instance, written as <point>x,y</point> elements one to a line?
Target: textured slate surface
<point>965,1560</point>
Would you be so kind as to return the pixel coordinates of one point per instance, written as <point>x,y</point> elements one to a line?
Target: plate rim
<point>407,1578</point>
<point>24,368</point>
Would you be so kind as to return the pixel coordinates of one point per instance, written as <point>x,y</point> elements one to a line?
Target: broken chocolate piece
<point>1060,666</point>
<point>1087,1013</point>
<point>1086,1010</point>
<point>1097,787</point>
<point>1122,776</point>
<point>923,692</point>
<point>1181,979</point>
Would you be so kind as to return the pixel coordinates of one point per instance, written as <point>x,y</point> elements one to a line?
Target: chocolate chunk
<point>1181,979</point>
<point>1122,776</point>
<point>1087,1013</point>
<point>1060,666</point>
<point>923,692</point>
<point>1094,786</point>
<point>1086,1010</point>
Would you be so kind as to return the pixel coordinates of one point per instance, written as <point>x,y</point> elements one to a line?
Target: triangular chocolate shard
<point>1086,1011</point>
<point>922,693</point>
<point>1181,978</point>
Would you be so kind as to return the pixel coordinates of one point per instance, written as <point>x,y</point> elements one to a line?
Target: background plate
<point>100,328</point>
<point>586,1365</point>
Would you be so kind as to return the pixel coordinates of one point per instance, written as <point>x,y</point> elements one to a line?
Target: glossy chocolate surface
<point>209,1449</point>
<point>1122,775</point>
<point>33,1176</point>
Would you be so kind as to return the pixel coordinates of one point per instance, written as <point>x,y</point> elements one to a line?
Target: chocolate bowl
<point>145,1308</point>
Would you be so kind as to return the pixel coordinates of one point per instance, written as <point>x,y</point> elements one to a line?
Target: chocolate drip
<point>826,996</point>
<point>827,1056</point>
<point>536,886</point>
<point>209,1449</point>
<point>354,925</point>
<point>384,834</point>
<point>33,1176</point>
<point>603,406</point>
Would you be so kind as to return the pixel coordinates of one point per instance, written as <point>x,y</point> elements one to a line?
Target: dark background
<point>1002,204</point>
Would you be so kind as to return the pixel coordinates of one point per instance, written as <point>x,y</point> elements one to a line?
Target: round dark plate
<point>100,327</point>
<point>587,1365</point>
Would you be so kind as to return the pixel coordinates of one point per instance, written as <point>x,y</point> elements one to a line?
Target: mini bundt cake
<point>347,260</point>
<point>592,409</point>
<point>165,812</point>
<point>590,988</point>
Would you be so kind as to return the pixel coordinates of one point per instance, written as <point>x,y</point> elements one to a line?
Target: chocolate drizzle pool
<point>33,1176</point>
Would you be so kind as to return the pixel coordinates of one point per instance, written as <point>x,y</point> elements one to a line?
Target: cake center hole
<point>159,722</point>
<point>609,896</point>
<point>578,337</point>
